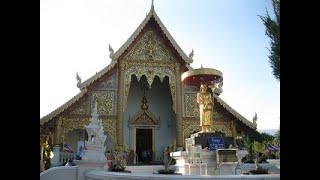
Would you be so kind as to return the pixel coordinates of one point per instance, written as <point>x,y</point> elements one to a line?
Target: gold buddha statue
<point>204,99</point>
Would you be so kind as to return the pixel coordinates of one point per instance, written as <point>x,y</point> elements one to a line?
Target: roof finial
<point>254,119</point>
<point>78,80</point>
<point>191,54</point>
<point>152,7</point>
<point>110,51</point>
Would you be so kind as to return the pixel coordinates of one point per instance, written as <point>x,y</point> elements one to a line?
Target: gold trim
<point>201,71</point>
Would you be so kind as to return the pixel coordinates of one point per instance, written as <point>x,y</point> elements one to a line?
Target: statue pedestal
<point>201,138</point>
<point>209,157</point>
<point>182,158</point>
<point>187,159</point>
<point>94,154</point>
<point>86,166</point>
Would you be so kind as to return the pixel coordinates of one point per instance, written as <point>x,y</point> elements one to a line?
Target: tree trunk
<point>257,161</point>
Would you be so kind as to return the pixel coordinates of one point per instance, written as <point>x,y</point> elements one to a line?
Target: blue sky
<point>226,35</point>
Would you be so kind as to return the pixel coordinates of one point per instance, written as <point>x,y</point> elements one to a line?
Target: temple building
<point>140,98</point>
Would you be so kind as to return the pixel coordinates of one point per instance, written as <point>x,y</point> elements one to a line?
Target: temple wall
<point>105,93</point>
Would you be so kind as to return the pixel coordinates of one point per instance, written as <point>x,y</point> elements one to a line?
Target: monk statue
<point>204,99</point>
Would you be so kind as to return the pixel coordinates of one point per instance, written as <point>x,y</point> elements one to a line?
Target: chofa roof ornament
<point>254,119</point>
<point>78,79</point>
<point>111,51</point>
<point>191,54</point>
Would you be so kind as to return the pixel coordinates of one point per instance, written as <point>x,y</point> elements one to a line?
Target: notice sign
<point>196,152</point>
<point>215,143</point>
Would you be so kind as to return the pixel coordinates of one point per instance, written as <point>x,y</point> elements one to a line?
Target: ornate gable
<point>152,18</point>
<point>144,118</point>
<point>150,47</point>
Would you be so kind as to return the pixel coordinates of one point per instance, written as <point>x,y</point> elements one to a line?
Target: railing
<point>66,156</point>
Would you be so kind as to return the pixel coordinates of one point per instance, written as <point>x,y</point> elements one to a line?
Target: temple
<point>140,99</point>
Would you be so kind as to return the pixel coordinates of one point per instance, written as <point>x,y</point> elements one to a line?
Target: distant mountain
<point>268,131</point>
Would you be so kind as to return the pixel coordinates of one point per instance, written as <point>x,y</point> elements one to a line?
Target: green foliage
<point>273,32</point>
<point>276,139</point>
<point>264,137</point>
<point>259,147</point>
<point>248,143</point>
<point>255,143</point>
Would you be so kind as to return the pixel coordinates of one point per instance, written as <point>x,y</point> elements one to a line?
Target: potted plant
<point>118,159</point>
<point>258,148</point>
<point>166,161</point>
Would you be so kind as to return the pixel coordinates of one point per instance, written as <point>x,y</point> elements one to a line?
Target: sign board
<point>215,143</point>
<point>196,152</point>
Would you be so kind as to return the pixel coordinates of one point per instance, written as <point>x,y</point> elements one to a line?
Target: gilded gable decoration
<point>222,128</point>
<point>106,102</point>
<point>109,126</point>
<point>108,83</point>
<point>144,117</point>
<point>70,124</point>
<point>150,47</point>
<point>82,108</point>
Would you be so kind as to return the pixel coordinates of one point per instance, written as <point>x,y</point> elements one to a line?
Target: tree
<point>276,139</point>
<point>264,137</point>
<point>273,32</point>
<point>259,148</point>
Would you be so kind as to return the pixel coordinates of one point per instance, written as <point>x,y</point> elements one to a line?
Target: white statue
<point>79,80</point>
<point>111,51</point>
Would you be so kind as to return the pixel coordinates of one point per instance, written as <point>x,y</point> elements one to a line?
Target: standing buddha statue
<point>204,99</point>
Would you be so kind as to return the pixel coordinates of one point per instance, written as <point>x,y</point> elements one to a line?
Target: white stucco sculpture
<point>95,145</point>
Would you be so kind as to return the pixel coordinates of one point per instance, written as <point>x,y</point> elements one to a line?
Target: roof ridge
<point>152,13</point>
<point>235,113</point>
<point>60,109</point>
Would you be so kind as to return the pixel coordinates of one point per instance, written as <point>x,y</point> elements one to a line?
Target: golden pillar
<point>178,108</point>
<point>120,109</point>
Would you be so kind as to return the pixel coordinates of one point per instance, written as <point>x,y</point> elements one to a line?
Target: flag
<point>67,148</point>
<point>272,148</point>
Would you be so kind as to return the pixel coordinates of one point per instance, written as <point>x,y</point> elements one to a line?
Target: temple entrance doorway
<point>144,145</point>
<point>149,107</point>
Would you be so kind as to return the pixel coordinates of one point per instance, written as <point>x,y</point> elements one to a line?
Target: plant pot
<point>169,171</point>
<point>259,171</point>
